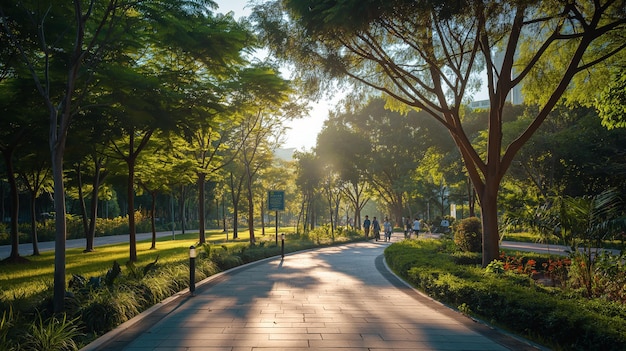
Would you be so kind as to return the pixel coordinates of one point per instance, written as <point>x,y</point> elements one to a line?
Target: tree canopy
<point>427,55</point>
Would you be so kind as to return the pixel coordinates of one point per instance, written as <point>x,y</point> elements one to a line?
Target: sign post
<point>276,202</point>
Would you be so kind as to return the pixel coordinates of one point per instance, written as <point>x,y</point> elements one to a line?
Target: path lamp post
<point>192,269</point>
<point>282,245</point>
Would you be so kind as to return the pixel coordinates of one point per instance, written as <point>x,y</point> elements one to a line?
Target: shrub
<point>562,320</point>
<point>105,309</point>
<point>468,235</point>
<point>604,277</point>
<point>467,258</point>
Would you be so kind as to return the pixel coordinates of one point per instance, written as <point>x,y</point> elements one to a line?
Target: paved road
<point>27,249</point>
<point>337,298</point>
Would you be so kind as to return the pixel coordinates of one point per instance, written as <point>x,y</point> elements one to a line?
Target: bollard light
<point>282,246</point>
<point>192,269</point>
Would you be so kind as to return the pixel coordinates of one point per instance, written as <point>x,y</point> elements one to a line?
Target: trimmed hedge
<point>560,319</point>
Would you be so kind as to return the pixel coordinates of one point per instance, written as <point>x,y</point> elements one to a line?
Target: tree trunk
<point>58,300</point>
<point>201,229</point>
<point>153,195</point>
<point>331,213</point>
<point>263,218</point>
<point>251,212</point>
<point>301,215</point>
<point>235,199</point>
<point>93,211</point>
<point>15,202</point>
<point>489,210</point>
<point>471,201</point>
<point>130,193</point>
<point>2,193</point>
<point>33,222</point>
<point>181,207</point>
<point>235,224</point>
<point>81,200</point>
<point>224,215</point>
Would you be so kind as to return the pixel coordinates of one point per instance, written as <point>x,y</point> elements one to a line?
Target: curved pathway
<point>336,298</point>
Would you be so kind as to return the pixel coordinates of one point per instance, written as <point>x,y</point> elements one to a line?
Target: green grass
<point>23,280</point>
<point>553,240</point>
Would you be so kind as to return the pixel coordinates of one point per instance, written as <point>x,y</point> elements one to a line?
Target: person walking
<point>376,228</point>
<point>366,226</point>
<point>416,227</point>
<point>387,227</point>
<point>407,228</point>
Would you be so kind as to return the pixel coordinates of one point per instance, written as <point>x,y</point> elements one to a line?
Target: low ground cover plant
<point>507,295</point>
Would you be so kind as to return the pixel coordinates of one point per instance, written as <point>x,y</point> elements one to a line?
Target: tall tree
<point>34,171</point>
<point>161,168</point>
<point>256,154</point>
<point>264,97</point>
<point>426,55</point>
<point>75,38</point>
<point>212,99</point>
<point>22,114</point>
<point>345,147</point>
<point>71,37</point>
<point>309,177</point>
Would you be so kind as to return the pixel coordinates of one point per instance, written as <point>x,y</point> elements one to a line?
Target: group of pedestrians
<point>387,228</point>
<point>375,226</point>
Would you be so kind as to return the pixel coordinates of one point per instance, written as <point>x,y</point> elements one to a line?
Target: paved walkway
<point>337,298</point>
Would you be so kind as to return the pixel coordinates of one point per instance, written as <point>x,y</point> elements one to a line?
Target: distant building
<point>479,104</point>
<point>515,95</point>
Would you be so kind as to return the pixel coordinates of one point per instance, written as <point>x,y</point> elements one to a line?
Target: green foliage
<point>468,234</point>
<point>603,277</point>
<point>105,309</point>
<point>495,267</point>
<point>321,234</point>
<point>223,256</point>
<point>112,274</point>
<point>612,103</point>
<point>562,320</point>
<point>466,257</point>
<point>54,335</point>
<point>6,328</point>
<point>134,272</point>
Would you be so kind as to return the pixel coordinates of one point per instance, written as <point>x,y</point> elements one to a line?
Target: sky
<point>301,133</point>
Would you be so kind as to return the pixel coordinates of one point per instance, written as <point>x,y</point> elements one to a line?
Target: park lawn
<point>23,280</point>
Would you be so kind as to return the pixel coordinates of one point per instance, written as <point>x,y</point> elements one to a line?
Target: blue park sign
<point>276,200</point>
